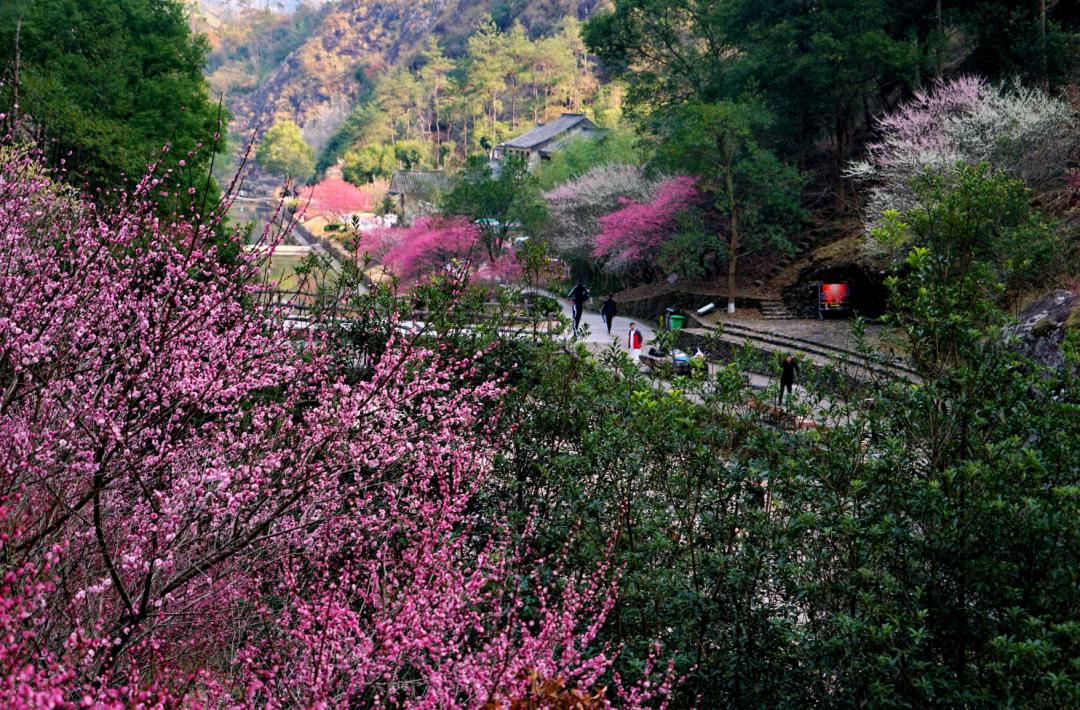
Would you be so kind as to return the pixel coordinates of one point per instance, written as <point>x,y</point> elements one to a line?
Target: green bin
<point>677,321</point>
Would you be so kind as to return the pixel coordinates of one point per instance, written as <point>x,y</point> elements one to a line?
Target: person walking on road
<point>788,371</point>
<point>634,343</point>
<point>578,295</point>
<point>608,312</point>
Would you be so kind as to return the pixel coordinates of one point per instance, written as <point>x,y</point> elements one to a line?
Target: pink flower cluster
<point>430,245</point>
<point>920,126</point>
<point>1011,128</point>
<point>632,235</point>
<point>196,509</point>
<point>334,198</point>
<point>1072,181</point>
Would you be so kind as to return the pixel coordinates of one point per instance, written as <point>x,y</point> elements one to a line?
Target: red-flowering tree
<point>631,236</point>
<point>195,508</point>
<point>577,206</point>
<point>334,197</point>
<point>430,245</point>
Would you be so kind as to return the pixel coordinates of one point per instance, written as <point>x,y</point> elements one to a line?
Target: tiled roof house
<point>547,138</point>
<point>416,192</point>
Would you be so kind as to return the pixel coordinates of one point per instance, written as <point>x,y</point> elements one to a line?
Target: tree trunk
<point>733,247</point>
<point>15,78</point>
<point>438,129</point>
<point>940,40</point>
<point>513,103</point>
<point>841,156</point>
<point>1042,43</point>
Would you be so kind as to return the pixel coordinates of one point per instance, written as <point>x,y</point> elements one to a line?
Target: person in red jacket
<point>634,342</point>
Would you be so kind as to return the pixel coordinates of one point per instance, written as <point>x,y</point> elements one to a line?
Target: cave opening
<point>850,290</point>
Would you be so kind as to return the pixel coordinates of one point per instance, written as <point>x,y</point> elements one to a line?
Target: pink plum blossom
<point>197,509</point>
<point>632,235</point>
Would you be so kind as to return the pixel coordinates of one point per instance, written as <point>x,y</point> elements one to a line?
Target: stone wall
<point>653,307</point>
<point>826,378</point>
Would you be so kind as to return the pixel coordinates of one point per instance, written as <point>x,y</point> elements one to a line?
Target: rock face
<point>1044,324</point>
<point>868,294</point>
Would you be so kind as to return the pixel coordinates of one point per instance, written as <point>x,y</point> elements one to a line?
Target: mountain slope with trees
<point>315,65</point>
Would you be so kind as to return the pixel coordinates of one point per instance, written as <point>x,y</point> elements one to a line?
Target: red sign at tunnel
<point>834,295</point>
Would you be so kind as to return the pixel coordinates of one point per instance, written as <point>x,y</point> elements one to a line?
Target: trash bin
<point>677,321</point>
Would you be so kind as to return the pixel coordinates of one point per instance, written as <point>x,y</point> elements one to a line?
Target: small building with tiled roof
<point>415,192</point>
<point>547,138</point>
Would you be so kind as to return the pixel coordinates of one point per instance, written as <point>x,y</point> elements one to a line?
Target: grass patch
<point>284,268</point>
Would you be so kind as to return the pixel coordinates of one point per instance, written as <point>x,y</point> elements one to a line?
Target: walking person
<point>788,370</point>
<point>578,295</point>
<point>634,343</point>
<point>608,312</point>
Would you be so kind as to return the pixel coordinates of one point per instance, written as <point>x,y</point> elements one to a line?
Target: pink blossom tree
<point>334,197</point>
<point>631,236</point>
<point>196,509</point>
<point>577,206</point>
<point>432,244</point>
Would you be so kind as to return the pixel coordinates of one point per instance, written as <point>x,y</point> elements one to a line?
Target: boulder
<point>1042,327</point>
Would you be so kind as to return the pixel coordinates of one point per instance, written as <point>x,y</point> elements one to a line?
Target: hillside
<point>308,66</point>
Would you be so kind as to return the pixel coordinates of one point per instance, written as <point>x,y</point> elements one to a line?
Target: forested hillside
<point>356,73</point>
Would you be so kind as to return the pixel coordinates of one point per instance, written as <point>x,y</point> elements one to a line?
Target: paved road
<point>597,338</point>
<point>597,328</point>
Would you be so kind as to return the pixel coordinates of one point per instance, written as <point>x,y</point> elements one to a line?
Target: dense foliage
<point>501,205</point>
<point>919,549</point>
<point>369,497</point>
<point>282,151</point>
<point>104,84</point>
<point>822,68</point>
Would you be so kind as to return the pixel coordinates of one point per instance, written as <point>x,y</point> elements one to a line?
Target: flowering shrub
<point>632,235</point>
<point>430,245</point>
<point>1015,129</point>
<point>1072,181</point>
<point>196,509</point>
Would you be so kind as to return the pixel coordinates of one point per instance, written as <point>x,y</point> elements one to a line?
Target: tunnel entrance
<point>850,290</point>
<point>838,292</point>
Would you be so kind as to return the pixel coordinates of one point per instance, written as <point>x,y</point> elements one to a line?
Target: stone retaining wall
<point>653,307</point>
<point>826,378</point>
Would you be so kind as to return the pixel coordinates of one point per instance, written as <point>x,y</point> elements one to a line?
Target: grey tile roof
<point>418,183</point>
<point>546,131</point>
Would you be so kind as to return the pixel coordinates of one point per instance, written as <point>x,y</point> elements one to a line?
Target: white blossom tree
<point>1014,129</point>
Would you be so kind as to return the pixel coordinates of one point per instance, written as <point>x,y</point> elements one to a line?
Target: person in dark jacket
<point>578,295</point>
<point>608,312</point>
<point>788,371</point>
